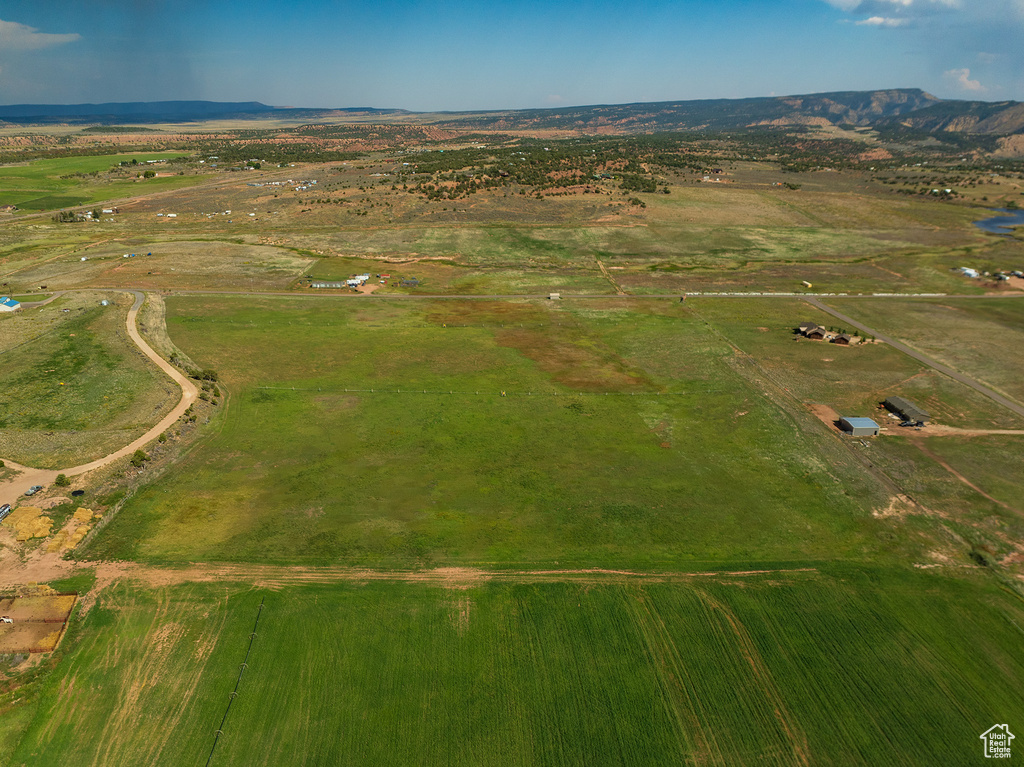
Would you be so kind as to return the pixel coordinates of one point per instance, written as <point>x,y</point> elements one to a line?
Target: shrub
<point>62,480</point>
<point>138,458</point>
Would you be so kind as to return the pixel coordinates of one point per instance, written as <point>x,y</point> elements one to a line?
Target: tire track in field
<point>677,687</point>
<point>797,738</point>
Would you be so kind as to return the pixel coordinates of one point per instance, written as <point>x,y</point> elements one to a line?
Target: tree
<point>138,458</point>
<point>62,480</point>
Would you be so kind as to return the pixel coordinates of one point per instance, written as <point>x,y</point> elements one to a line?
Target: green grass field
<point>842,667</point>
<point>52,184</point>
<point>72,385</point>
<point>626,439</point>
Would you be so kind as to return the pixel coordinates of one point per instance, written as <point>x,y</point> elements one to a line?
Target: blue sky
<point>471,54</point>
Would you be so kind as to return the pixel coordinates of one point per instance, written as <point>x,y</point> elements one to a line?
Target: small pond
<point>1002,224</point>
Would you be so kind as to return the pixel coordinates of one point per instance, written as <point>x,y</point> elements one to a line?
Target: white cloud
<point>881,21</point>
<point>961,78</point>
<point>19,37</point>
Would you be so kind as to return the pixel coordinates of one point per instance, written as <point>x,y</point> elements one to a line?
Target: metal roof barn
<point>907,410</point>
<point>859,427</point>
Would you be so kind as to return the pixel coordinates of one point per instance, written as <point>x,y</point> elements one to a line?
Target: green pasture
<point>842,667</point>
<point>73,387</point>
<point>986,514</point>
<point>625,436</point>
<point>41,184</point>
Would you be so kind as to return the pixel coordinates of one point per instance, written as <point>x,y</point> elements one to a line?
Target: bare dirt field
<point>37,622</point>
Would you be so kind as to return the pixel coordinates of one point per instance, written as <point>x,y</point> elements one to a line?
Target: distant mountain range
<point>900,110</point>
<point>160,112</point>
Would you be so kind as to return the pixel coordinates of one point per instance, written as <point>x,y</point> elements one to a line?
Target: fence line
<point>498,393</point>
<point>381,326</point>
<point>234,694</point>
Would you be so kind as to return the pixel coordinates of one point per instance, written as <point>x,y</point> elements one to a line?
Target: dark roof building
<point>907,410</point>
<point>843,339</point>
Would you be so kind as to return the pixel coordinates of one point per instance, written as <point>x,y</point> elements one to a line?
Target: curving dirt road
<point>12,489</point>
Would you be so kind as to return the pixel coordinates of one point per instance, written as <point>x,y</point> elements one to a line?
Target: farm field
<point>491,528</point>
<point>73,387</point>
<point>426,433</point>
<point>834,667</point>
<point>64,183</point>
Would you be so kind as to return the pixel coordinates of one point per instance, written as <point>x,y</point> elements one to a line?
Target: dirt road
<point>41,567</point>
<point>13,489</point>
<point>911,352</point>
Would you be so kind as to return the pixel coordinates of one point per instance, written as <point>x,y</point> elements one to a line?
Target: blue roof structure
<point>861,423</point>
<point>8,303</point>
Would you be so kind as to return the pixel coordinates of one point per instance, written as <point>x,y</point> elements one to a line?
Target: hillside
<point>899,110</point>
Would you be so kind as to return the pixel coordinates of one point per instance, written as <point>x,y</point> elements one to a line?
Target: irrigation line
<point>234,693</point>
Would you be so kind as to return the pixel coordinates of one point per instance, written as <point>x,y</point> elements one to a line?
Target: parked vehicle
<point>5,510</point>
<point>33,490</point>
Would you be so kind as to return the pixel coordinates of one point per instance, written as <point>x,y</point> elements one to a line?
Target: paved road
<point>12,490</point>
<point>945,369</point>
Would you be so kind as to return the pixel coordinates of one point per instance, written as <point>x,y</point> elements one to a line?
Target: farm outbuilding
<point>907,410</point>
<point>859,427</point>
<point>8,304</point>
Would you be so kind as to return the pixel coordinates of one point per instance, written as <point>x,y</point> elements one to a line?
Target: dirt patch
<point>37,622</point>
<point>826,415</point>
<point>939,430</point>
<point>898,506</point>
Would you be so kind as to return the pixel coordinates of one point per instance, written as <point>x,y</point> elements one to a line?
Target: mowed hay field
<point>625,437</point>
<point>73,386</point>
<point>843,668</point>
